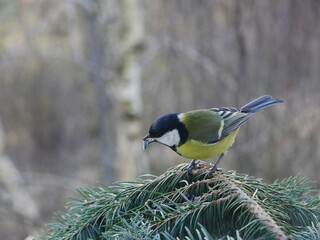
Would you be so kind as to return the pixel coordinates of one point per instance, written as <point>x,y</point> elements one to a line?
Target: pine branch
<point>255,208</point>
<point>228,205</point>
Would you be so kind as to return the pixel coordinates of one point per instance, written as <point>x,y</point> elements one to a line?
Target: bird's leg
<point>215,166</point>
<point>192,164</point>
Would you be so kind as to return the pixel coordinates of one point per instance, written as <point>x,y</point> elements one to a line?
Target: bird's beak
<point>146,141</point>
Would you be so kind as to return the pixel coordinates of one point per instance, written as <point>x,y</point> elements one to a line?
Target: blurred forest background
<point>82,80</point>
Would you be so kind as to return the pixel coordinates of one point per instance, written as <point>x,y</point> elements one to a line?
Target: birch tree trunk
<point>19,200</point>
<point>131,161</point>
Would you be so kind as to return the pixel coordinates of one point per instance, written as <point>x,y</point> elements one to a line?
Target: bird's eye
<point>153,132</point>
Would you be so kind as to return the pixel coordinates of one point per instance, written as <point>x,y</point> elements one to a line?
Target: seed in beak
<point>146,141</point>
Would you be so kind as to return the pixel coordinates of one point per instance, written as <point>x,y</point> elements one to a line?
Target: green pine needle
<point>174,206</point>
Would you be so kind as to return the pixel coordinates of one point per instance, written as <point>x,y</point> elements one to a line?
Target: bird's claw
<point>190,197</point>
<point>192,164</point>
<point>212,170</point>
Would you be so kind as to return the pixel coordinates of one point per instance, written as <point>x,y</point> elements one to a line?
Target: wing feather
<point>232,119</point>
<point>211,126</point>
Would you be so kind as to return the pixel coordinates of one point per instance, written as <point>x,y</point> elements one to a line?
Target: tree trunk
<point>19,200</point>
<point>97,77</point>
<point>130,159</point>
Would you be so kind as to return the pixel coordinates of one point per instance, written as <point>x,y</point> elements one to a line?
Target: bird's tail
<point>259,103</point>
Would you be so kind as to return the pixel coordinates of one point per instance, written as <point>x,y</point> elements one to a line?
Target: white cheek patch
<point>171,138</point>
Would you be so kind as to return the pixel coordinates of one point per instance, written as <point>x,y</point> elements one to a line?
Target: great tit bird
<point>203,133</point>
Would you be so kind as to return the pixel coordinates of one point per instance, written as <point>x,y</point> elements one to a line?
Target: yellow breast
<point>197,150</point>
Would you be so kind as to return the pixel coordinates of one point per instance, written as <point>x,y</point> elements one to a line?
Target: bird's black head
<point>163,125</point>
<point>167,130</point>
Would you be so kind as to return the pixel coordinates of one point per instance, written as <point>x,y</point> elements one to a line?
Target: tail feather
<point>259,103</point>
<point>254,106</point>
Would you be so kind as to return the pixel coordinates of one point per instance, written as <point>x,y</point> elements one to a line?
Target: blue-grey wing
<point>232,118</point>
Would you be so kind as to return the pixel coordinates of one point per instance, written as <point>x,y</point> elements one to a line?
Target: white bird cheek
<point>171,138</point>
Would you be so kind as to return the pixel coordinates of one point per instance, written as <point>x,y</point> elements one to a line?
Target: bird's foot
<point>212,170</point>
<point>190,197</point>
<point>192,164</point>
<point>215,166</point>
